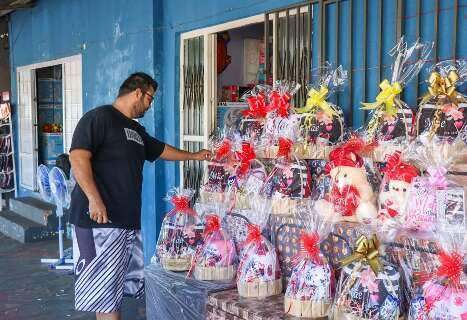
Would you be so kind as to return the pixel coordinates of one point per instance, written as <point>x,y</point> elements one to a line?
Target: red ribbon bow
<point>212,224</point>
<point>256,106</point>
<point>182,205</point>
<point>246,155</point>
<point>279,102</point>
<point>285,146</point>
<point>451,267</point>
<point>398,170</point>
<point>309,246</point>
<point>254,233</point>
<point>223,149</point>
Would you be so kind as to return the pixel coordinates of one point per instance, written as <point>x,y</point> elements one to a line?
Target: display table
<point>169,295</point>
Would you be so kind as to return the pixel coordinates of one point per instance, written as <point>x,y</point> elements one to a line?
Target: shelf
<point>52,134</point>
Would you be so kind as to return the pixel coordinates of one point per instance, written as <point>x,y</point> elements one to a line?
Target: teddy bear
<point>398,177</point>
<point>351,196</point>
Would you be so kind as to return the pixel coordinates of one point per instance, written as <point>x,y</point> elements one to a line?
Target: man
<point>107,155</point>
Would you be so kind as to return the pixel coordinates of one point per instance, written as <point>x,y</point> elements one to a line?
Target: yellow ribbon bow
<point>439,85</point>
<point>366,250</point>
<point>317,99</point>
<point>386,97</point>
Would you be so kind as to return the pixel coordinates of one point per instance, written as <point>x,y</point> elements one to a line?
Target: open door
<point>27,128</point>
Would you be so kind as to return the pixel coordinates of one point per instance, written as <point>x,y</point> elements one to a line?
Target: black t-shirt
<point>119,147</point>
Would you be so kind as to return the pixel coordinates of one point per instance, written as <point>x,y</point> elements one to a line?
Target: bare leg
<point>108,316</point>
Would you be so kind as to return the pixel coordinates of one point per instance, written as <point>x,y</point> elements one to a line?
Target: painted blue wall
<point>122,36</point>
<point>115,38</point>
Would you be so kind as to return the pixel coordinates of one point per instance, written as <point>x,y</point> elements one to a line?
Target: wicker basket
<point>215,273</point>
<point>211,197</point>
<point>306,309</point>
<point>259,289</point>
<point>176,264</point>
<point>312,151</point>
<point>286,206</point>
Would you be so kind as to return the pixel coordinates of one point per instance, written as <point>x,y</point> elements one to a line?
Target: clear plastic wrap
<point>181,233</point>
<point>443,110</point>
<point>252,123</point>
<point>311,285</point>
<point>219,168</point>
<point>258,273</point>
<point>442,293</point>
<point>369,287</point>
<point>394,191</point>
<point>171,296</point>
<point>322,122</point>
<point>391,119</point>
<point>247,179</point>
<point>351,196</point>
<point>289,182</point>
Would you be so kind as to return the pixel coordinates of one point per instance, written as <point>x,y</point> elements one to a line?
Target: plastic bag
<point>322,122</point>
<point>258,273</point>
<point>443,110</point>
<point>310,288</point>
<point>351,196</point>
<point>391,119</point>
<point>289,182</point>
<point>442,293</point>
<point>368,287</point>
<point>252,123</point>
<point>181,233</point>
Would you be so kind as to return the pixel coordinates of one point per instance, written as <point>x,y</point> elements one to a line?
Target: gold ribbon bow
<point>366,250</point>
<point>386,97</point>
<point>317,99</point>
<point>439,85</point>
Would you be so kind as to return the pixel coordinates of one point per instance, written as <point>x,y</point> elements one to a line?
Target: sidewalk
<point>29,290</point>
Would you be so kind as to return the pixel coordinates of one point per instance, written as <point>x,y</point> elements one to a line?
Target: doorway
<point>49,88</point>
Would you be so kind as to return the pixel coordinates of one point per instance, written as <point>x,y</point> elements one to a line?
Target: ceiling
<point>6,6</point>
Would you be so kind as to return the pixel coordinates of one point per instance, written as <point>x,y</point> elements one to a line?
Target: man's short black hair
<point>137,80</point>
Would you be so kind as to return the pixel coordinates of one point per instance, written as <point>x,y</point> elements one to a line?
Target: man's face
<point>143,103</point>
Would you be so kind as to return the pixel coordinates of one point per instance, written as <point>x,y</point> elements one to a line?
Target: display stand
<point>7,163</point>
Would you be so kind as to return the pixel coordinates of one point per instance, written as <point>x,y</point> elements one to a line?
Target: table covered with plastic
<point>170,295</point>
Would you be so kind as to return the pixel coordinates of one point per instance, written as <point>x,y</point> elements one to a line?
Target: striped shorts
<point>108,264</point>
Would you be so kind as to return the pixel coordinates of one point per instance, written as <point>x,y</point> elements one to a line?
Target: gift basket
<point>394,191</point>
<point>181,233</point>
<point>310,288</point>
<point>258,273</point>
<point>247,179</point>
<point>391,119</point>
<point>368,286</point>
<point>288,185</point>
<point>215,258</point>
<point>351,196</point>
<point>442,293</point>
<point>280,120</point>
<point>322,122</point>
<point>219,169</point>
<point>443,110</point>
<point>253,118</point>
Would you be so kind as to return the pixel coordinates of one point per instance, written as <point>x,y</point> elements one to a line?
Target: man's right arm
<point>82,170</point>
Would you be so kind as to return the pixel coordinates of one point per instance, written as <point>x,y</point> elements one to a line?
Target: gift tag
<point>325,128</point>
<point>393,127</point>
<point>451,212</point>
<point>452,119</point>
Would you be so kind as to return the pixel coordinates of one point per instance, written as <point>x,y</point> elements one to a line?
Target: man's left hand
<point>202,155</point>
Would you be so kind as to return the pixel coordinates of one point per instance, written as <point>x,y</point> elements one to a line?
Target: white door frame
<point>210,76</point>
<point>32,68</point>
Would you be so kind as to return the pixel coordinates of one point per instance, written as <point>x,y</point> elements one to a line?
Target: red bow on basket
<point>398,170</point>
<point>309,247</point>
<point>256,106</point>
<point>285,146</point>
<point>451,267</point>
<point>212,224</point>
<point>245,156</point>
<point>182,205</point>
<point>279,102</point>
<point>223,149</point>
<point>254,233</point>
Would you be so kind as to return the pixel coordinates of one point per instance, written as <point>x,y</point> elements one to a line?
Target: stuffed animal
<point>351,195</point>
<point>398,177</point>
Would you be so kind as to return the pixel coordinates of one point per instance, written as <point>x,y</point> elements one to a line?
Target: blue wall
<point>122,36</point>
<point>114,41</point>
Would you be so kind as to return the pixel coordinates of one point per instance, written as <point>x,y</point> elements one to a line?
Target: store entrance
<point>49,90</point>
